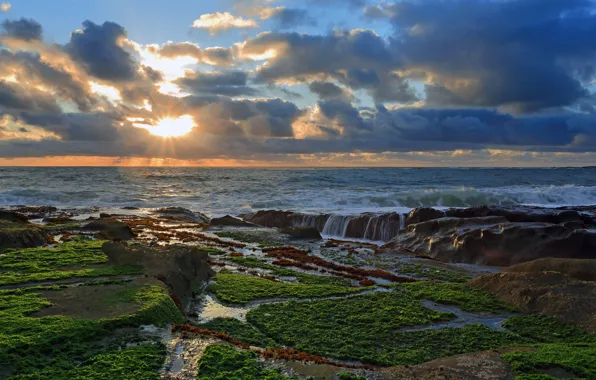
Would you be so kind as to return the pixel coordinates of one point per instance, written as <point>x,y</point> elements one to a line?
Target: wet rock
<point>16,233</point>
<point>130,208</point>
<point>13,216</point>
<point>230,221</point>
<point>286,219</point>
<point>584,270</point>
<point>111,229</point>
<point>58,219</point>
<point>526,214</point>
<point>493,241</point>
<point>548,293</point>
<point>309,233</point>
<point>424,214</point>
<point>182,268</point>
<point>179,213</point>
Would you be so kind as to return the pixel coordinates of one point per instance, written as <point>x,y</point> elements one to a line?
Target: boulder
<point>13,216</point>
<point>307,233</point>
<point>581,269</point>
<point>493,240</point>
<point>21,235</point>
<point>179,213</point>
<point>183,269</point>
<point>111,229</point>
<point>230,221</point>
<point>424,214</point>
<point>58,219</point>
<point>548,293</point>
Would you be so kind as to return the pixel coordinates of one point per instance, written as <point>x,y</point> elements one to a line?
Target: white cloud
<point>5,7</point>
<point>217,22</point>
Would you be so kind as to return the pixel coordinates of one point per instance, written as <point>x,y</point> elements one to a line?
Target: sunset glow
<point>170,127</point>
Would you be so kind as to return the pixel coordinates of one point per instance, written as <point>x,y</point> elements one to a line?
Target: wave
<point>221,200</point>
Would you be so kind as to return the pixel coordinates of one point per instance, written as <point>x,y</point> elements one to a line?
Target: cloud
<point>512,54</point>
<point>99,48</point>
<point>232,83</point>
<point>26,29</point>
<point>5,7</point>
<point>216,56</point>
<point>219,22</point>
<point>287,18</point>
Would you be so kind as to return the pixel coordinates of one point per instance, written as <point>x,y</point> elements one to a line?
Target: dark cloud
<point>526,55</point>
<point>97,127</point>
<point>99,49</point>
<point>25,29</point>
<point>32,70</point>
<point>232,83</point>
<point>14,98</point>
<point>326,90</point>
<point>287,18</point>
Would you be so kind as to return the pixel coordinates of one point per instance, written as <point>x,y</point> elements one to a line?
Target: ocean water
<point>341,191</point>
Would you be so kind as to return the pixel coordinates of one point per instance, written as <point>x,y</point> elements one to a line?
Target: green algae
<point>349,376</point>
<point>239,330</point>
<point>246,237</point>
<point>67,260</point>
<point>304,278</point>
<point>431,273</point>
<point>464,297</point>
<point>224,362</point>
<point>367,327</point>
<point>545,329</point>
<point>56,345</point>
<point>240,289</point>
<point>576,359</point>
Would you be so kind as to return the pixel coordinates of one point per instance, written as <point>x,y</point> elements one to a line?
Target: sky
<point>298,83</point>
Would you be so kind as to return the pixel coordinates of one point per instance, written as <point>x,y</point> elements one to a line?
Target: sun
<point>170,127</point>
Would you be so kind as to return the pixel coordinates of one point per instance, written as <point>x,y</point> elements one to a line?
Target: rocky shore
<point>477,293</point>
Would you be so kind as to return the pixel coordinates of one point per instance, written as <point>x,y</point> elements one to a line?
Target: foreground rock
<point>584,270</point>
<point>182,268</point>
<point>179,213</point>
<point>548,293</point>
<point>111,229</point>
<point>17,232</point>
<point>230,221</point>
<point>493,241</point>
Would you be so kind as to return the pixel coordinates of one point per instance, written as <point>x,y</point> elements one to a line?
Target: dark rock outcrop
<point>286,219</point>
<point>179,213</point>
<point>230,221</point>
<point>307,233</point>
<point>13,216</point>
<point>424,214</point>
<point>183,269</point>
<point>111,229</point>
<point>547,293</point>
<point>493,241</point>
<point>17,232</point>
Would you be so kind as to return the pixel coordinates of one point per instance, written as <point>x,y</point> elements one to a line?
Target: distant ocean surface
<point>340,191</point>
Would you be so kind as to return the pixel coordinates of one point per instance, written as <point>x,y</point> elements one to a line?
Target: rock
<point>548,293</point>
<point>36,212</point>
<point>584,270</point>
<point>424,214</point>
<point>230,221</point>
<point>526,214</point>
<point>13,216</point>
<point>130,208</point>
<point>58,219</point>
<point>493,241</point>
<point>309,233</point>
<point>179,213</point>
<point>21,235</point>
<point>111,229</point>
<point>182,268</point>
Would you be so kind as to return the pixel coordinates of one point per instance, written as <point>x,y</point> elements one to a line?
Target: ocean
<point>219,191</point>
